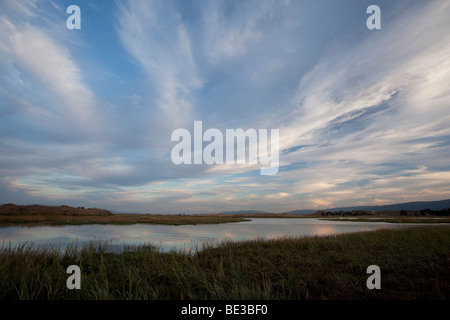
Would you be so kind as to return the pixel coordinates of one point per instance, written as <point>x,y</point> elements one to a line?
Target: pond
<point>185,237</point>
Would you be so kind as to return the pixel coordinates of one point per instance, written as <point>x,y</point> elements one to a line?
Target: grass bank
<point>117,219</point>
<point>36,215</point>
<point>414,264</point>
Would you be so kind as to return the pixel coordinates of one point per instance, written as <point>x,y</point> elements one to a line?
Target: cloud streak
<point>363,115</point>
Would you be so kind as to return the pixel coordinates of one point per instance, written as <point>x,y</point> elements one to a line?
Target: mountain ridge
<point>411,206</point>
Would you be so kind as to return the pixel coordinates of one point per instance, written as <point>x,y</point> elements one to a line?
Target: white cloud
<point>32,49</point>
<point>154,34</point>
<point>368,122</point>
<point>405,68</point>
<point>17,7</point>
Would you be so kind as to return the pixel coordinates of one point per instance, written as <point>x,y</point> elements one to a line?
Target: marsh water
<point>185,237</point>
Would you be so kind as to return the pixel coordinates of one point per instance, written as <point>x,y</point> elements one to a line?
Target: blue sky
<point>86,115</point>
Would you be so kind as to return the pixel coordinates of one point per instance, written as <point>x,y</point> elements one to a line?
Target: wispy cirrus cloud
<point>155,35</point>
<point>379,105</point>
<point>27,48</point>
<point>86,117</point>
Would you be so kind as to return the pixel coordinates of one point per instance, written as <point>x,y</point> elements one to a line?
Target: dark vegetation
<point>352,213</point>
<point>355,213</point>
<point>429,212</point>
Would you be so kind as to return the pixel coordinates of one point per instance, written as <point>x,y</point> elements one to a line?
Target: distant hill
<point>411,206</point>
<point>243,212</point>
<point>12,209</point>
<point>306,211</point>
<point>408,206</point>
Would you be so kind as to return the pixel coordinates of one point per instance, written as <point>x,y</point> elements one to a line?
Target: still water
<point>186,237</point>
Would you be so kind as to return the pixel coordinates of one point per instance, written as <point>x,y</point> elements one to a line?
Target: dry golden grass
<point>64,215</point>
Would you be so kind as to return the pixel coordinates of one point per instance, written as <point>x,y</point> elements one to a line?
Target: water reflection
<point>186,237</point>
<point>322,230</point>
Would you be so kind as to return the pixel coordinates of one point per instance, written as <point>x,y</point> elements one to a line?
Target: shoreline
<point>130,219</point>
<point>36,215</point>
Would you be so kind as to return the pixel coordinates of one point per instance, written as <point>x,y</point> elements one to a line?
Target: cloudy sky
<point>86,116</point>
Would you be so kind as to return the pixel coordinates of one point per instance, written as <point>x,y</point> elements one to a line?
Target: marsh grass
<point>414,264</point>
<point>115,219</point>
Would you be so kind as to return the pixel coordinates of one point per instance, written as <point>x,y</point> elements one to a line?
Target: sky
<point>86,115</point>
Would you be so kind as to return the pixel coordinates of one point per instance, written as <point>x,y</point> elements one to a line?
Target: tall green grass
<point>414,264</point>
